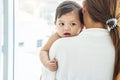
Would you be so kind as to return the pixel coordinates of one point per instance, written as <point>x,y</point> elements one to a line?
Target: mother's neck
<point>89,23</point>
<point>94,25</point>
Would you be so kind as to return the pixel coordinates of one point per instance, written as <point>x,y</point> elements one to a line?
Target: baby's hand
<point>52,65</point>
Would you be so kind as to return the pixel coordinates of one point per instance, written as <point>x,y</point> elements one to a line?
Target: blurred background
<point>25,25</point>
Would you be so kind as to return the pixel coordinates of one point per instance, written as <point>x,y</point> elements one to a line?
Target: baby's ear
<point>54,22</point>
<point>55,25</point>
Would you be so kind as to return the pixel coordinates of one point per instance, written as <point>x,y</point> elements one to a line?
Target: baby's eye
<point>73,24</point>
<point>61,24</point>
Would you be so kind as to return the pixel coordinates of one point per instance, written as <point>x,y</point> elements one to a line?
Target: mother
<point>94,53</point>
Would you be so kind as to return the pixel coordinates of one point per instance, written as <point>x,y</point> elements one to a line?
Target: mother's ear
<point>84,7</point>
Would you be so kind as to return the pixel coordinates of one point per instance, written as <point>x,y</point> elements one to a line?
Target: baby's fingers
<point>53,61</point>
<point>53,67</point>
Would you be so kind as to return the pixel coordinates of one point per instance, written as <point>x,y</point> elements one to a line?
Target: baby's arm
<point>44,53</point>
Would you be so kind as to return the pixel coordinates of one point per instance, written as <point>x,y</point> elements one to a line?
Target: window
<point>24,26</point>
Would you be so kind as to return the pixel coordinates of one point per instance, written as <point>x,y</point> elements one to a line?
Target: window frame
<point>8,40</point>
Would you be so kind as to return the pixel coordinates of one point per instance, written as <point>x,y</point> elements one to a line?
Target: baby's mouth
<point>67,34</point>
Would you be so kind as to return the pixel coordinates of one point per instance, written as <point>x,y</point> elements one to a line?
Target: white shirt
<point>88,56</point>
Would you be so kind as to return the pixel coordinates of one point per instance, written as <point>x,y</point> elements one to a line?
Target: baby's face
<point>68,25</point>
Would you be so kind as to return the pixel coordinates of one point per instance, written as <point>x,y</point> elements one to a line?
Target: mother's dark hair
<point>101,11</point>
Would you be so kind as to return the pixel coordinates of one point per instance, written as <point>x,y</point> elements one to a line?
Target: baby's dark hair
<point>66,7</point>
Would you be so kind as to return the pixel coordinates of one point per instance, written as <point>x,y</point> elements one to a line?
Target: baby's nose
<point>67,28</point>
